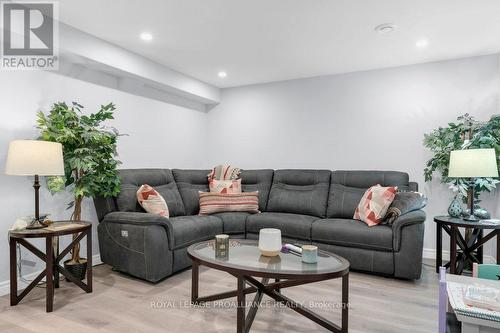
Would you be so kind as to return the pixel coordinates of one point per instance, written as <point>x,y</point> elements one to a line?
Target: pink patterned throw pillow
<point>152,201</point>
<point>211,203</point>
<point>374,204</point>
<point>224,172</point>
<point>225,186</point>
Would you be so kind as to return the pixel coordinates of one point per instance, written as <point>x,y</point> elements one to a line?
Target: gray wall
<point>365,120</point>
<point>159,135</point>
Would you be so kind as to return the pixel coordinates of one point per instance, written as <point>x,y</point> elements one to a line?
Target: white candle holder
<point>270,242</point>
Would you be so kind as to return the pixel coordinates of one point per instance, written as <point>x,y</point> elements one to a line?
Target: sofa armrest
<point>104,206</point>
<point>135,218</point>
<point>413,186</point>
<point>410,218</point>
<point>136,243</point>
<point>140,219</point>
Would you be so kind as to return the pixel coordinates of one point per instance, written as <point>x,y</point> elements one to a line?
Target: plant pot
<point>78,270</point>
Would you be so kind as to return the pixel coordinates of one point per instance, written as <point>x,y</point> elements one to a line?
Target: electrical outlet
<point>124,233</point>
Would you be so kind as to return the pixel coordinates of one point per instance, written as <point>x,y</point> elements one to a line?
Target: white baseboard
<point>96,260</point>
<point>431,254</point>
<point>5,285</point>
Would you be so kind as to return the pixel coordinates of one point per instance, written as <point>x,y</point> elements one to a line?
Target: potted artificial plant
<point>90,161</point>
<point>466,133</point>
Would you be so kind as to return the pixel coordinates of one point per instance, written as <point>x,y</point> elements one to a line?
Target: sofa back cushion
<point>347,189</point>
<point>161,180</point>
<point>258,180</point>
<point>189,183</point>
<point>299,191</point>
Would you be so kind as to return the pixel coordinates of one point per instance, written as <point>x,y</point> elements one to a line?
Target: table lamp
<point>473,163</point>
<point>35,158</point>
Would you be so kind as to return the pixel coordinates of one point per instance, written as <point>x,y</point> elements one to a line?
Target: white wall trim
<point>431,254</point>
<point>96,260</point>
<point>5,285</point>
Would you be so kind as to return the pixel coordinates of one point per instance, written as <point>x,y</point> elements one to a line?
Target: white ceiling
<point>257,41</point>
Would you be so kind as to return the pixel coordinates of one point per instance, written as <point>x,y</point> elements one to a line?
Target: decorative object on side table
<point>35,158</point>
<point>471,164</point>
<point>270,242</point>
<point>89,159</point>
<point>222,246</point>
<point>455,209</point>
<point>482,214</point>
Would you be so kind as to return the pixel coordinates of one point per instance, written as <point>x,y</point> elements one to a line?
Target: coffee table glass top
<point>245,255</point>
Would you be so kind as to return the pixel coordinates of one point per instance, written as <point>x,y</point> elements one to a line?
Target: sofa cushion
<point>291,225</point>
<point>348,187</point>
<point>161,179</point>
<point>258,180</point>
<point>225,186</point>
<point>366,260</point>
<point>186,230</point>
<point>189,183</point>
<point>152,201</point>
<point>352,233</point>
<point>300,192</point>
<point>373,206</point>
<point>233,222</point>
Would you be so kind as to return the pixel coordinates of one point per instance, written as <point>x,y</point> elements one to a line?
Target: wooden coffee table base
<point>273,290</point>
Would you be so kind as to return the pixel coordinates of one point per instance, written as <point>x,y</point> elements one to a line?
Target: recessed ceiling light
<point>385,28</point>
<point>146,36</point>
<point>222,74</point>
<point>422,43</point>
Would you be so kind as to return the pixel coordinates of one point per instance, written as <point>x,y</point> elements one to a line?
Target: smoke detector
<point>385,28</point>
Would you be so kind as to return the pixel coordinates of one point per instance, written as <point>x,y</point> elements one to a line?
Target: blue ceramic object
<point>310,254</point>
<point>482,213</point>
<point>455,209</point>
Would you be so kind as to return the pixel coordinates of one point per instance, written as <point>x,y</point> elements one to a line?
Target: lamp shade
<point>31,157</point>
<point>470,163</point>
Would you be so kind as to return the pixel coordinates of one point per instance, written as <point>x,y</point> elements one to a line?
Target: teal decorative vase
<point>482,213</point>
<point>455,209</point>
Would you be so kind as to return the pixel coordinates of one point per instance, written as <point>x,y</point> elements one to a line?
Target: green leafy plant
<point>89,150</point>
<point>466,133</point>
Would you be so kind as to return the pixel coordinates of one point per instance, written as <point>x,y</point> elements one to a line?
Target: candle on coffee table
<point>310,254</point>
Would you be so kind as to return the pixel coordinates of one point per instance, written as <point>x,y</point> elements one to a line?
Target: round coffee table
<point>245,263</point>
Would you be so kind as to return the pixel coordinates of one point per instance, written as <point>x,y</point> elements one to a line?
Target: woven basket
<point>77,270</point>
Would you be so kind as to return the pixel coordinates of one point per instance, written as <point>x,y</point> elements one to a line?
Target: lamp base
<point>471,218</point>
<point>36,225</point>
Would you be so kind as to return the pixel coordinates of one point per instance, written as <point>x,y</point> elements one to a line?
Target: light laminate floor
<point>122,304</point>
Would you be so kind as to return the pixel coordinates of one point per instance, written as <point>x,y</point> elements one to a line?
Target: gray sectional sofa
<point>309,206</point>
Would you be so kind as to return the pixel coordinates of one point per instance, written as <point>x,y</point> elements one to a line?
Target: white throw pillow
<point>152,201</point>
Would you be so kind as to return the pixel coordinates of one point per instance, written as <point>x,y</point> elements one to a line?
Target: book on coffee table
<point>458,301</point>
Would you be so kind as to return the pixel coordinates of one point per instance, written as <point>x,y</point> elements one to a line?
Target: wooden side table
<point>458,260</point>
<point>51,258</point>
